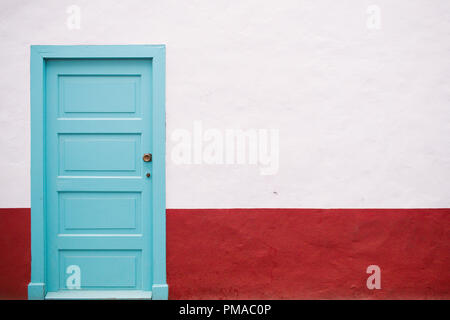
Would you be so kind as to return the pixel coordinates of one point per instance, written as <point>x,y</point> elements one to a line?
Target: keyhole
<point>148,174</point>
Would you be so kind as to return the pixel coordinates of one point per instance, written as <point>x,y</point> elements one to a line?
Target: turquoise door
<point>98,126</point>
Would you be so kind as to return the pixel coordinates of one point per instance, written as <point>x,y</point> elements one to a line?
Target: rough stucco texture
<point>307,254</point>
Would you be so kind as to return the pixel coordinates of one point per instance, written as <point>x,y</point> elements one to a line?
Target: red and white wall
<point>359,95</point>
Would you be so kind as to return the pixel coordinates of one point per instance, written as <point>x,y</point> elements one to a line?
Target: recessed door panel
<point>100,154</point>
<point>97,96</point>
<point>100,212</point>
<point>100,269</point>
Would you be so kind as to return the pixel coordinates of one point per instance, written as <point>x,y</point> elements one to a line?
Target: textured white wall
<point>363,115</point>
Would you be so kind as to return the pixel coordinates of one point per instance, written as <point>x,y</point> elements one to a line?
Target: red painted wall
<point>15,257</point>
<point>307,253</point>
<point>280,253</point>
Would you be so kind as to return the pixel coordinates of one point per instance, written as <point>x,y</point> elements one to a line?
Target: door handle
<point>147,157</point>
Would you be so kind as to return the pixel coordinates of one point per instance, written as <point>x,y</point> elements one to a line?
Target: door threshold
<point>99,295</point>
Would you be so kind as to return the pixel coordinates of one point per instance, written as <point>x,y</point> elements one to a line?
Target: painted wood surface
<point>95,207</point>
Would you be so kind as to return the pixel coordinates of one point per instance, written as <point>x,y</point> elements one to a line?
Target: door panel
<point>99,213</point>
<point>99,96</point>
<point>103,269</point>
<point>100,154</point>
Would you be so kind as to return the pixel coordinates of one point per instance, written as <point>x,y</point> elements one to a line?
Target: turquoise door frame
<point>37,289</point>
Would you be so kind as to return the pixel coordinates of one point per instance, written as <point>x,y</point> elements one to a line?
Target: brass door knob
<point>147,157</point>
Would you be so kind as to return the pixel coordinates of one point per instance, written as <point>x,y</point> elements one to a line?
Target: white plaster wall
<point>363,114</point>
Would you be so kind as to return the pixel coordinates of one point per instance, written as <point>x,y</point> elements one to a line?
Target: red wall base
<point>307,253</point>
<point>15,257</point>
<point>279,253</point>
